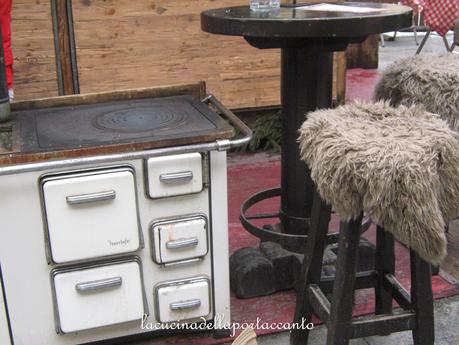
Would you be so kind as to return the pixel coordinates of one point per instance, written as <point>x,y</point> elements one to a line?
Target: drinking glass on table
<point>275,4</point>
<point>260,5</point>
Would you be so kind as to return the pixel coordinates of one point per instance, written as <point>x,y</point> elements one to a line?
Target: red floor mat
<point>243,181</point>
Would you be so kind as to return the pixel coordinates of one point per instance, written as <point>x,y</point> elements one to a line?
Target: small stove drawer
<point>183,300</point>
<point>174,175</point>
<point>98,296</point>
<point>91,214</point>
<point>179,239</point>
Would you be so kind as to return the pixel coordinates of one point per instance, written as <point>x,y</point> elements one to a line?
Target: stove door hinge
<point>205,170</point>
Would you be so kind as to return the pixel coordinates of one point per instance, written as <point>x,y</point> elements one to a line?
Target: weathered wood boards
<point>126,44</point>
<point>365,54</point>
<point>123,44</point>
<point>33,49</point>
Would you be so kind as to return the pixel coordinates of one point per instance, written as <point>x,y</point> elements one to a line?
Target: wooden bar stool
<point>372,158</point>
<point>337,315</point>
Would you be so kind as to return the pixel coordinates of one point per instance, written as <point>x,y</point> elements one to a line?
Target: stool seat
<point>398,165</point>
<point>428,79</point>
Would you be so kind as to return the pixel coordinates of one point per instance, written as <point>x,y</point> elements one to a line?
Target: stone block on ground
<point>251,273</point>
<point>282,261</point>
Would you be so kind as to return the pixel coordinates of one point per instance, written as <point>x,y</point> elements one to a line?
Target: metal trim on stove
<point>79,267</point>
<point>185,243</point>
<point>86,172</point>
<point>91,197</point>
<point>176,177</point>
<point>182,262</point>
<point>220,145</point>
<point>177,219</point>
<point>97,285</point>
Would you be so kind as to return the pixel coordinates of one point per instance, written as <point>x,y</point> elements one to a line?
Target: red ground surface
<point>360,84</point>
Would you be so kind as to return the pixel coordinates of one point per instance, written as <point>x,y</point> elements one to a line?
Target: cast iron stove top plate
<point>164,121</point>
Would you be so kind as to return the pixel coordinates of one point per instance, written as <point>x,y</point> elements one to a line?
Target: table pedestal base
<point>306,85</point>
<point>276,264</point>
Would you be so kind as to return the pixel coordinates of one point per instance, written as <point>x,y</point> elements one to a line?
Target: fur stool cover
<point>398,165</point>
<point>428,79</point>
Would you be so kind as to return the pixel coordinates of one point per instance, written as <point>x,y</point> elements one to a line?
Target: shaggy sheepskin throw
<point>398,165</point>
<point>428,79</point>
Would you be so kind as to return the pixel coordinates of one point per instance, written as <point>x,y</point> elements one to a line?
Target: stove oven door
<point>97,296</point>
<point>184,300</point>
<point>91,214</point>
<point>179,239</point>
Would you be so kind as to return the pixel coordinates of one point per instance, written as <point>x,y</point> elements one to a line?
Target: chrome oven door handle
<point>91,197</point>
<point>178,177</point>
<point>97,285</point>
<point>190,304</point>
<point>183,243</point>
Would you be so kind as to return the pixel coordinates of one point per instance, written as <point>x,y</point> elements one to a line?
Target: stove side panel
<point>4,326</point>
<point>219,211</point>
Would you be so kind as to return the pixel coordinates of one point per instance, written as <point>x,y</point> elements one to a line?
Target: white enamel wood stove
<point>92,244</point>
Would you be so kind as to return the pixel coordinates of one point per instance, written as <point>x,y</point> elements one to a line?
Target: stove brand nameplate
<point>164,121</point>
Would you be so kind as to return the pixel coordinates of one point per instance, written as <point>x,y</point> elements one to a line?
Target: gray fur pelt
<point>398,165</point>
<point>428,79</point>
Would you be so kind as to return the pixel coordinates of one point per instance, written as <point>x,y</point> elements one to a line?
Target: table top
<point>292,22</point>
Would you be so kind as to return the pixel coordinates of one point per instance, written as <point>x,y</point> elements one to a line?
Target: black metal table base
<point>307,40</point>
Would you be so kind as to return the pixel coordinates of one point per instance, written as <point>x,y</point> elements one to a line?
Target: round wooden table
<point>307,40</point>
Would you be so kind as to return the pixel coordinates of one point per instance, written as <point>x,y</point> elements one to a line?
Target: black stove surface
<point>133,121</point>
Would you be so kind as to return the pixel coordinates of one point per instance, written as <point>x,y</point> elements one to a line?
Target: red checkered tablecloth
<point>439,15</point>
<point>416,5</point>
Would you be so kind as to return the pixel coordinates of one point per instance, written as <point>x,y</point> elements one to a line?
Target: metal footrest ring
<point>292,242</point>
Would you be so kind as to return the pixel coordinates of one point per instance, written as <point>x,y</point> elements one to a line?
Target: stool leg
<point>385,264</point>
<point>339,324</point>
<point>422,300</point>
<point>311,268</point>
<point>424,40</point>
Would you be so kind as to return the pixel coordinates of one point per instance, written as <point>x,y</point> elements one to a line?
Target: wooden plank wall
<point>365,55</point>
<point>33,49</point>
<point>123,44</point>
<point>126,44</point>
